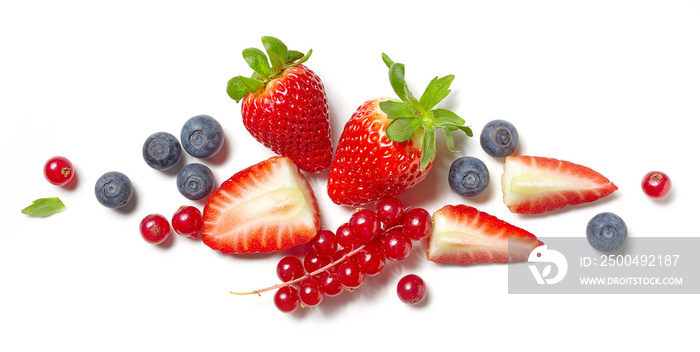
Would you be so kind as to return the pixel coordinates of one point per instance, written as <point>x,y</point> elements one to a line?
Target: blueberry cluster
<point>202,137</point>
<point>469,176</point>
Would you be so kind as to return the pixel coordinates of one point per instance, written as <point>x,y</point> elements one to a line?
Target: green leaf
<point>427,149</point>
<point>445,117</point>
<point>403,128</point>
<point>257,60</point>
<point>387,60</point>
<point>397,79</point>
<point>437,90</point>
<point>240,86</point>
<point>466,130</point>
<point>293,55</point>
<point>44,207</point>
<point>395,109</point>
<point>277,52</point>
<point>449,140</point>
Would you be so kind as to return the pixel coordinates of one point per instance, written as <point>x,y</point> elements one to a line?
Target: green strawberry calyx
<point>413,116</point>
<point>264,71</point>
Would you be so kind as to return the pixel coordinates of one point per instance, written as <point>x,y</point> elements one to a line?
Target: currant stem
<point>308,275</point>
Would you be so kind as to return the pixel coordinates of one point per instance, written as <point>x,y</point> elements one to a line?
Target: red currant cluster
<point>359,248</point>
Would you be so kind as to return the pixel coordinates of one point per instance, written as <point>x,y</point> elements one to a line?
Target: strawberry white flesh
<point>266,207</point>
<point>533,185</point>
<point>463,235</point>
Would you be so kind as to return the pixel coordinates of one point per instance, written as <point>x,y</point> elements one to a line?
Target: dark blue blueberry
<point>195,181</point>
<point>499,138</point>
<point>606,232</point>
<point>161,151</point>
<point>202,136</point>
<point>113,190</point>
<point>468,176</point>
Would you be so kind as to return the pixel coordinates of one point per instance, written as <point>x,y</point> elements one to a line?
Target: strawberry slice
<point>533,185</point>
<point>464,235</point>
<point>266,207</point>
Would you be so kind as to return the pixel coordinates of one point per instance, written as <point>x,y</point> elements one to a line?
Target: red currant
<point>314,261</point>
<point>187,221</point>
<point>656,184</point>
<point>396,245</point>
<point>58,170</point>
<point>350,275</point>
<point>155,228</point>
<point>289,268</point>
<point>364,224</point>
<point>411,289</point>
<point>417,224</point>
<point>371,260</point>
<point>287,299</point>
<point>390,211</point>
<point>345,237</point>
<point>324,243</point>
<point>331,284</point>
<point>311,292</point>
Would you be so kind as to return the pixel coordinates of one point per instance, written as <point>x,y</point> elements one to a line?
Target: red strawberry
<point>284,106</point>
<point>388,146</point>
<point>464,235</point>
<point>533,185</point>
<point>266,207</point>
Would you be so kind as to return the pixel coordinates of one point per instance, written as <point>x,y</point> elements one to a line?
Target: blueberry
<point>195,181</point>
<point>606,232</point>
<point>113,190</point>
<point>468,176</point>
<point>499,138</point>
<point>161,150</point>
<point>202,136</point>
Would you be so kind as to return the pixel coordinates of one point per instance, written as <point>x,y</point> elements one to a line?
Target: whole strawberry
<point>284,105</point>
<point>388,146</point>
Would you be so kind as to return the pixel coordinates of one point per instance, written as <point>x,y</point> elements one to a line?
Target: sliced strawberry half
<point>266,207</point>
<point>463,235</point>
<point>533,185</point>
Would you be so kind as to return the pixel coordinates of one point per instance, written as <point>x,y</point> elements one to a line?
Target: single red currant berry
<point>287,299</point>
<point>350,275</point>
<point>331,284</point>
<point>390,211</point>
<point>324,243</point>
<point>411,289</point>
<point>345,237</point>
<point>396,246</point>
<point>417,224</point>
<point>371,260</point>
<point>656,184</point>
<point>58,171</point>
<point>187,221</point>
<point>314,261</point>
<point>364,224</point>
<point>311,292</point>
<point>155,228</point>
<point>289,268</point>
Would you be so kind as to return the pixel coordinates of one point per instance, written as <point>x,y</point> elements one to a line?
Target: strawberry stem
<point>308,275</point>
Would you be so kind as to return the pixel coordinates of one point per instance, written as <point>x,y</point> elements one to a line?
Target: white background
<point>613,85</point>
